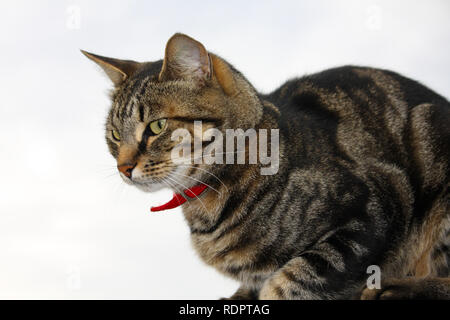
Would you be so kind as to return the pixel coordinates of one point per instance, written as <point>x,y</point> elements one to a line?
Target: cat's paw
<point>392,289</point>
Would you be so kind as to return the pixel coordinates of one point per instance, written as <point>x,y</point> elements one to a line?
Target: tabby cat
<point>363,174</point>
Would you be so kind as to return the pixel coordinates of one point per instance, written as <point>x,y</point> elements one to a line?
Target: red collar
<point>178,199</point>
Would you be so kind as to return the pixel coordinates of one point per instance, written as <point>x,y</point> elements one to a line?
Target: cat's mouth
<point>173,179</point>
<point>144,183</point>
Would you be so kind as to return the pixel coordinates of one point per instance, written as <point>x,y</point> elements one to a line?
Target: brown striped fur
<point>363,177</point>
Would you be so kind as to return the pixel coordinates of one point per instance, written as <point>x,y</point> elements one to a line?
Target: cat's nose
<point>126,169</point>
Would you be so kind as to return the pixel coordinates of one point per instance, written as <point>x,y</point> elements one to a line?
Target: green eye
<point>157,126</point>
<point>115,135</point>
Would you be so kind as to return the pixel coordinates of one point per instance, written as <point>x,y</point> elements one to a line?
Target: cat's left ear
<point>185,58</point>
<point>117,70</point>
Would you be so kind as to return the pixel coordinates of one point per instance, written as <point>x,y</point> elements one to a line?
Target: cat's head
<point>153,99</point>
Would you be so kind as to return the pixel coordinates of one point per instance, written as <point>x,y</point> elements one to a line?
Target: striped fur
<point>363,177</point>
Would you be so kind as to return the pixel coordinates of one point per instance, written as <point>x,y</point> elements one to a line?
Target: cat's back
<point>367,115</point>
<point>373,111</point>
<point>364,87</point>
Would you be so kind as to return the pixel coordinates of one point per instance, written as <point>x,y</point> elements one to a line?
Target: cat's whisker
<point>195,167</point>
<point>179,183</point>
<point>112,175</point>
<point>167,183</point>
<point>171,185</point>
<point>201,169</point>
<point>183,175</point>
<point>106,170</point>
<point>202,156</point>
<point>118,190</point>
<point>104,167</point>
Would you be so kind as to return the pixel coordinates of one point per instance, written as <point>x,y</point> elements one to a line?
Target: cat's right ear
<point>117,70</point>
<point>185,58</point>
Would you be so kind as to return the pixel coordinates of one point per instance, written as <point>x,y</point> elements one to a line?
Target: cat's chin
<point>144,186</point>
<point>150,187</point>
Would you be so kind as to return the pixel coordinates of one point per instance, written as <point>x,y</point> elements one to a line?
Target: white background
<point>69,228</point>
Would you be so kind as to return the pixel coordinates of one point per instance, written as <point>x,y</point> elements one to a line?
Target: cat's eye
<point>115,134</point>
<point>157,126</point>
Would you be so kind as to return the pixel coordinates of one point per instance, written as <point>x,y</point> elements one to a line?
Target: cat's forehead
<point>144,98</point>
<point>152,93</point>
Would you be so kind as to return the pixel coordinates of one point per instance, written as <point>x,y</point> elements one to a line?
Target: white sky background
<point>69,228</point>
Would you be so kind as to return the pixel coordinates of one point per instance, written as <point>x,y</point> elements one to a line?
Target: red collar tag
<point>178,199</point>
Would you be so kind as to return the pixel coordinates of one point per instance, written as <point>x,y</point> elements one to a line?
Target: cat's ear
<point>117,70</point>
<point>185,58</point>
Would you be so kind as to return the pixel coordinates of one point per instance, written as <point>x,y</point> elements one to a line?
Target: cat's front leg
<point>317,274</point>
<point>295,280</point>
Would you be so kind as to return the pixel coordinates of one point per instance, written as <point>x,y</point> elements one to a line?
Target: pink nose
<point>126,169</point>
